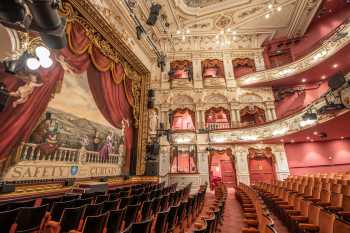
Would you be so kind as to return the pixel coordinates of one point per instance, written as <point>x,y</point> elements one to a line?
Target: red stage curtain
<point>213,64</point>
<point>17,123</point>
<point>217,115</point>
<point>111,89</point>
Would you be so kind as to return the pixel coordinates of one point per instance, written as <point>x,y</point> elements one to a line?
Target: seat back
<point>30,218</point>
<point>19,204</point>
<point>146,210</point>
<point>161,222</point>
<point>142,227</point>
<point>131,214</point>
<point>115,220</point>
<point>113,196</point>
<point>110,205</point>
<point>341,226</point>
<point>124,201</point>
<point>7,219</point>
<point>101,198</point>
<point>85,201</point>
<point>326,222</point>
<point>93,210</point>
<point>95,224</point>
<point>314,213</point>
<point>70,196</point>
<point>50,200</point>
<point>164,203</point>
<point>156,204</point>
<point>58,207</point>
<point>172,217</point>
<point>71,218</point>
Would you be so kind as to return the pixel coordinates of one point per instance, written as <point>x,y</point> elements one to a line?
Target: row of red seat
<point>140,208</point>
<point>256,217</point>
<point>311,203</point>
<point>212,220</point>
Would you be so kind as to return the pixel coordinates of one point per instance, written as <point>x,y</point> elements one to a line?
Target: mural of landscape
<point>73,120</point>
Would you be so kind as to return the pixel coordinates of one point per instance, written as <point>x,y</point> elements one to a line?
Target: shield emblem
<point>74,170</point>
<point>345,97</point>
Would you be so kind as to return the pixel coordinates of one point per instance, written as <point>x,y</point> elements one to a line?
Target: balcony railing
<point>335,43</point>
<point>214,126</point>
<point>32,152</point>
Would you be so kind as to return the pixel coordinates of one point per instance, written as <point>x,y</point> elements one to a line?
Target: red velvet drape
<point>253,114</point>
<point>17,123</point>
<point>243,66</point>
<point>108,83</point>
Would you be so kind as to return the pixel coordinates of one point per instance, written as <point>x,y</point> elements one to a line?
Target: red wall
<point>313,157</point>
<point>296,102</point>
<point>318,30</point>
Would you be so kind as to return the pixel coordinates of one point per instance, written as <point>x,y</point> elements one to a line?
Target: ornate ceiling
<point>200,21</point>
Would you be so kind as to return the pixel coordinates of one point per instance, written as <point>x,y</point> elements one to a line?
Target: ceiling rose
<point>223,21</point>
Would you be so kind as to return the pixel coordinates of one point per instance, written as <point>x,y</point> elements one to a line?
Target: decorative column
<point>235,118</point>
<point>241,165</point>
<point>259,61</point>
<point>229,75</point>
<point>281,163</point>
<point>165,82</point>
<point>164,109</point>
<point>164,160</point>
<point>197,71</point>
<point>270,108</point>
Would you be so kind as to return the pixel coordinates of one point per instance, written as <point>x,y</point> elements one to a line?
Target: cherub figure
<point>23,92</point>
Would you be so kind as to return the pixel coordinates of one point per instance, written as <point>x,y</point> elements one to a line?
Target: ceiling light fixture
<point>335,65</point>
<point>272,7</point>
<point>323,77</point>
<point>303,80</point>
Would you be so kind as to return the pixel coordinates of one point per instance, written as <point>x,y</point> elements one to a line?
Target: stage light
<point>308,118</point>
<point>42,52</point>
<point>10,66</point>
<point>46,62</point>
<point>33,63</point>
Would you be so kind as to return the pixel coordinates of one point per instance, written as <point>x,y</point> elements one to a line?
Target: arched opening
<point>181,70</point>
<point>261,165</point>
<point>213,68</point>
<point>222,168</point>
<point>183,119</point>
<point>183,159</point>
<point>243,66</point>
<point>252,115</point>
<point>217,118</point>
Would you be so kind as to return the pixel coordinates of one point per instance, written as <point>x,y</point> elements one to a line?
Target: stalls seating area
<point>212,219</point>
<point>141,208</point>
<point>310,203</point>
<point>256,217</point>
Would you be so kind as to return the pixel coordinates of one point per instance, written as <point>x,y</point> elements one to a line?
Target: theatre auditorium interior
<point>174,116</point>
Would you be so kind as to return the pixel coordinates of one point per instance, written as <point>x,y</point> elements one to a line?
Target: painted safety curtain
<point>17,123</point>
<point>109,85</point>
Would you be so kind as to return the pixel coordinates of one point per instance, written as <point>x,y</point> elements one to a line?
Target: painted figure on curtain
<point>23,92</point>
<point>73,121</point>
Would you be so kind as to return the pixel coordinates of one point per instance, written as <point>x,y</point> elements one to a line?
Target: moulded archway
<point>222,168</point>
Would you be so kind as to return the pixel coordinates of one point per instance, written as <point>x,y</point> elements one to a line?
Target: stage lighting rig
<point>40,16</point>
